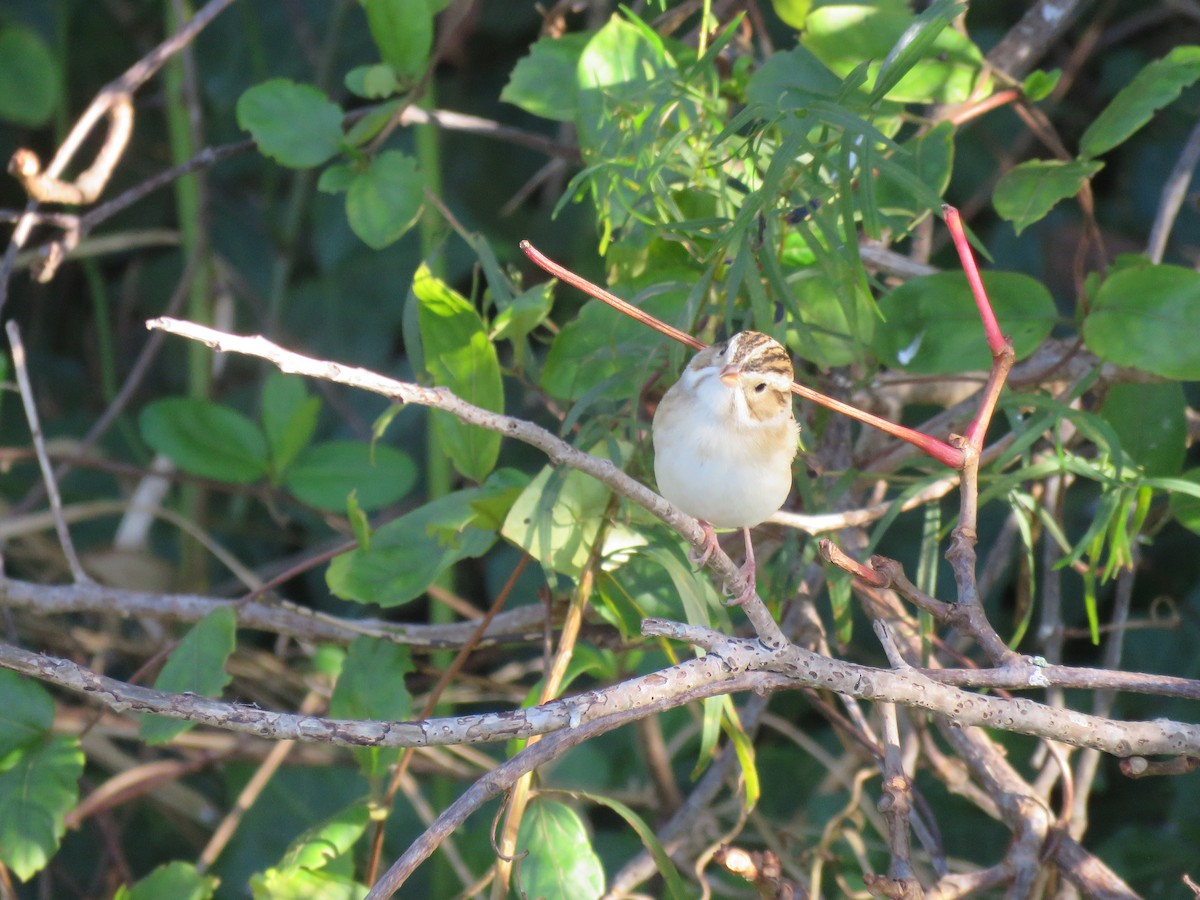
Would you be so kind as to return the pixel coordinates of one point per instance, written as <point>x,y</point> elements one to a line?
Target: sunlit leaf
<point>560,861</point>
<point>177,880</point>
<point>460,357</point>
<point>26,713</point>
<point>37,790</point>
<point>294,124</point>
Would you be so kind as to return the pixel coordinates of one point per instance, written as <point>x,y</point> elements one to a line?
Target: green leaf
<point>336,179</point>
<point>1145,318</point>
<point>403,32</point>
<point>928,160</point>
<point>933,324</point>
<point>904,59</point>
<point>543,83</point>
<point>408,553</point>
<point>842,36</point>
<point>560,861</point>
<point>26,713</point>
<point>177,880</point>
<point>526,312</point>
<point>304,884</point>
<point>371,687</point>
<point>1039,84</point>
<point>1151,422</point>
<point>603,345</point>
<point>371,684</point>
<point>196,666</point>
<point>459,356</point>
<point>372,83</point>
<point>676,888</point>
<point>206,439</point>
<point>557,517</point>
<point>385,199</point>
<point>370,125</point>
<point>1186,507</point>
<point>29,83</point>
<point>37,790</point>
<point>1027,192</point>
<point>289,418</point>
<point>1155,86</point>
<point>294,124</point>
<point>326,474</point>
<point>792,12</point>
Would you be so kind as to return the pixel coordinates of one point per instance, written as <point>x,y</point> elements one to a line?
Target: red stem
<point>939,450</point>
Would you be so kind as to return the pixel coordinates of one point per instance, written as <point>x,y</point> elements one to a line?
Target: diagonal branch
<point>558,450</point>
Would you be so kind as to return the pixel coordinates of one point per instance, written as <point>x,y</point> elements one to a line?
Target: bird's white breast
<point>713,461</point>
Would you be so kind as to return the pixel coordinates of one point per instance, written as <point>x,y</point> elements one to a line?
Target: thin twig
<point>39,445</point>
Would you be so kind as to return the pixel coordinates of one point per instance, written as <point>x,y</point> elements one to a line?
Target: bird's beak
<point>729,375</point>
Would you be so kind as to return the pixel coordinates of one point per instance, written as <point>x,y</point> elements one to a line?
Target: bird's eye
<point>760,387</point>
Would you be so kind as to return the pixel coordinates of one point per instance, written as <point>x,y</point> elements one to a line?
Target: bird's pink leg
<point>710,545</point>
<point>748,570</point>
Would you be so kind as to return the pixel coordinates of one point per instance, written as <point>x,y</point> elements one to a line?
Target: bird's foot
<point>710,546</point>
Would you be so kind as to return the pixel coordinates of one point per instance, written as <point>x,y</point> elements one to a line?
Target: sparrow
<point>725,437</point>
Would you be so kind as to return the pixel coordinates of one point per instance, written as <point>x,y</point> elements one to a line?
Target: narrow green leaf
<point>360,525</point>
<point>325,475</point>
<point>206,439</point>
<point>29,80</point>
<point>560,861</point>
<point>913,45</point>
<point>674,883</point>
<point>26,713</point>
<point>197,666</point>
<point>1144,318</point>
<point>385,200</point>
<point>403,32</point>
<point>1155,86</point>
<point>744,748</point>
<point>289,418</point>
<point>37,790</point>
<point>459,356</point>
<point>177,880</point>
<point>943,70</point>
<point>294,124</point>
<point>1027,192</point>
